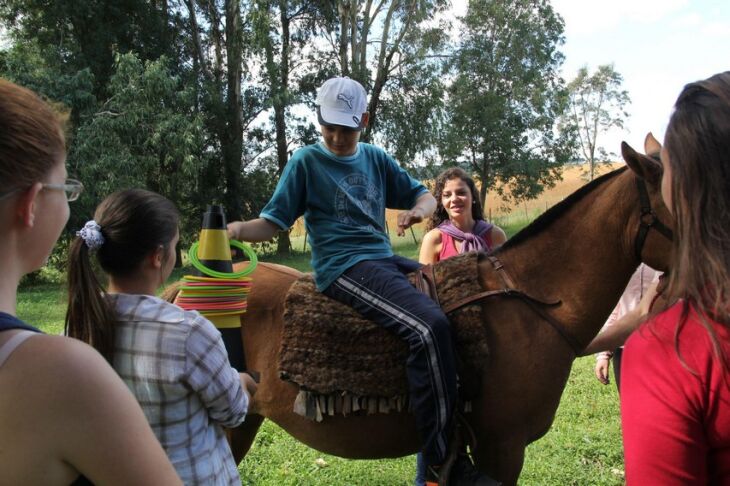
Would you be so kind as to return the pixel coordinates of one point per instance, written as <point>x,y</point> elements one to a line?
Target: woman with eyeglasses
<point>65,415</point>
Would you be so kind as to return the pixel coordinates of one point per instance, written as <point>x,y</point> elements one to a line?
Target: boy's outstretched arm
<point>424,207</point>
<point>253,230</point>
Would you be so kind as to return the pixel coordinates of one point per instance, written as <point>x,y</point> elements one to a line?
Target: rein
<point>647,220</point>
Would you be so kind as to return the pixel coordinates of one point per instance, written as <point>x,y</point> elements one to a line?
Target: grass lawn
<point>583,446</point>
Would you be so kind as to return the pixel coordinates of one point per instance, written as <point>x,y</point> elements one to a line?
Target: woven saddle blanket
<point>343,363</point>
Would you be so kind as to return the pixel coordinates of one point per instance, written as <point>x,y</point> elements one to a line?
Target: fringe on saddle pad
<point>345,364</point>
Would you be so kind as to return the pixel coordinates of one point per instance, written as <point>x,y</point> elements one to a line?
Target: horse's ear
<point>645,167</point>
<point>652,147</point>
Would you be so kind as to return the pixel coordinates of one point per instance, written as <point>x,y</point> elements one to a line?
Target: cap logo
<point>346,99</point>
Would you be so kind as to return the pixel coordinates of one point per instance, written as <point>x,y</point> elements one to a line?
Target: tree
<point>597,104</point>
<point>224,101</point>
<point>145,134</point>
<point>86,34</point>
<point>283,30</point>
<point>376,38</point>
<point>507,96</point>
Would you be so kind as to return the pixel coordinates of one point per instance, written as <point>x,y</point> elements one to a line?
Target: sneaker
<point>464,473</point>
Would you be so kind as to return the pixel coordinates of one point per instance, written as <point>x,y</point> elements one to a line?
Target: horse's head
<point>653,238</point>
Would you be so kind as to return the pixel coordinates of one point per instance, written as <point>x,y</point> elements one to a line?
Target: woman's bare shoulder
<point>498,236</point>
<point>432,237</point>
<point>64,366</point>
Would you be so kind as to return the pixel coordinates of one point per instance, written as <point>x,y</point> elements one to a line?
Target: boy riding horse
<point>342,187</point>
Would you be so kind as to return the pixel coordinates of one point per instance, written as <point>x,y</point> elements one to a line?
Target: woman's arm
<point>208,372</point>
<point>499,237</point>
<point>619,331</point>
<point>100,427</point>
<point>430,247</point>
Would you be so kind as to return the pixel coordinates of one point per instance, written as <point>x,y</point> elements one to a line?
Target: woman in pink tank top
<point>458,225</point>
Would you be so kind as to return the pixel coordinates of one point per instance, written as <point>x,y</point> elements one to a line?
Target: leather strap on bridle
<point>647,220</point>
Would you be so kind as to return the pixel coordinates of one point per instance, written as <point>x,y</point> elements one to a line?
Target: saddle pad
<point>329,349</point>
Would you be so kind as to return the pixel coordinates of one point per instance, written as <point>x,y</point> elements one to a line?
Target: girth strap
<point>493,293</point>
<point>536,305</point>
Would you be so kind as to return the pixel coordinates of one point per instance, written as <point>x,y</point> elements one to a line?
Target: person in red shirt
<point>675,391</point>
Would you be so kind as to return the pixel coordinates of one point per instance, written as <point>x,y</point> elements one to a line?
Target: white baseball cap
<point>341,101</point>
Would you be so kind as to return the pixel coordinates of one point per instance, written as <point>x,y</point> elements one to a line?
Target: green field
<point>583,446</point>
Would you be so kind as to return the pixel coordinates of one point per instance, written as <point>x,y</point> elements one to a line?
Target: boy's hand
<point>406,219</point>
<point>235,230</point>
<point>252,230</point>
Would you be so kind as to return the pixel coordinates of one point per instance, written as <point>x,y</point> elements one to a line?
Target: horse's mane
<point>545,219</point>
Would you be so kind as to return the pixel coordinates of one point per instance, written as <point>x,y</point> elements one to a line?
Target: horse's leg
<point>241,438</point>
<point>502,459</point>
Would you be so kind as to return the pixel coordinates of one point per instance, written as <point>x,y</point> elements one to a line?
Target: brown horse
<point>582,252</point>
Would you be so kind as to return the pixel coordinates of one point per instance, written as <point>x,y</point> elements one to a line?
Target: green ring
<point>253,261</point>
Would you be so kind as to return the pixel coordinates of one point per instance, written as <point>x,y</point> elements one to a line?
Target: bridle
<point>648,219</point>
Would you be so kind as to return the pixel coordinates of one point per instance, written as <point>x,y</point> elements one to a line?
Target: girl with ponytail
<point>174,361</point>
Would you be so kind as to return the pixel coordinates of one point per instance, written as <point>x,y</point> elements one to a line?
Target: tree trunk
<point>281,100</point>
<point>343,9</point>
<point>233,147</point>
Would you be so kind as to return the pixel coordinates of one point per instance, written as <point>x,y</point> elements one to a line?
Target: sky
<point>658,46</point>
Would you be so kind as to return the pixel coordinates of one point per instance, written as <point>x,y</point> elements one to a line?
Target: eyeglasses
<point>72,187</point>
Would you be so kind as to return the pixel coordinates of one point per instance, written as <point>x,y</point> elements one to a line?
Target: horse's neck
<point>583,258</point>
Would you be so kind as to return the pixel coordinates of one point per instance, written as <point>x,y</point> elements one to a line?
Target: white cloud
<point>691,19</point>
<point>586,17</point>
<point>717,30</point>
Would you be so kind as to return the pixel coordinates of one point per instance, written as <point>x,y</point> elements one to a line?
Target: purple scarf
<point>472,241</point>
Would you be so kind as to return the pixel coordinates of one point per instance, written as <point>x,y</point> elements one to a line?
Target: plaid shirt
<point>176,365</point>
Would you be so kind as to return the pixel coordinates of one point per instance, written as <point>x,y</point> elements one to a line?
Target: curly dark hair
<point>440,215</point>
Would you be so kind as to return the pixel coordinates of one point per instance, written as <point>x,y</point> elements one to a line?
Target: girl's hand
<point>602,369</point>
<point>249,384</point>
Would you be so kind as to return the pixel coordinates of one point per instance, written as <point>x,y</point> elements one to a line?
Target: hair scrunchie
<point>91,234</point>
